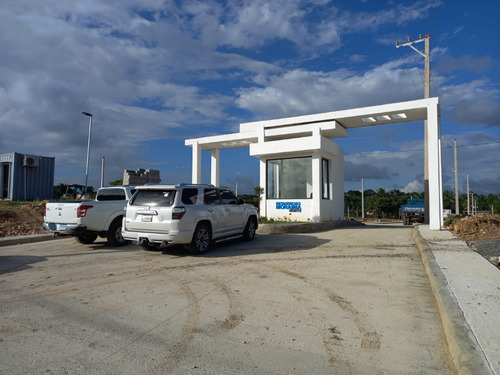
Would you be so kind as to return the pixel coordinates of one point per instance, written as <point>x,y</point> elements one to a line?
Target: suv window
<point>228,197</point>
<point>189,196</point>
<point>210,196</point>
<point>155,198</point>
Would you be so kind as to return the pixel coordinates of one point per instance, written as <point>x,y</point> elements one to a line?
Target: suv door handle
<point>210,210</point>
<point>228,209</point>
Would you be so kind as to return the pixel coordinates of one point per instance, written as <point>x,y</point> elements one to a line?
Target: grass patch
<point>285,220</point>
<point>450,221</point>
<point>16,205</point>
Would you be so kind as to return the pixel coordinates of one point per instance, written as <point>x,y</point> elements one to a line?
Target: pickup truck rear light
<point>178,213</point>
<point>81,211</point>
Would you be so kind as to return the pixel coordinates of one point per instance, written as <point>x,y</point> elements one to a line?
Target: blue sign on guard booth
<point>292,206</point>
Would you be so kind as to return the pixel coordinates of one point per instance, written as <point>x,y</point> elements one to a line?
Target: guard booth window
<point>325,178</point>
<point>289,178</point>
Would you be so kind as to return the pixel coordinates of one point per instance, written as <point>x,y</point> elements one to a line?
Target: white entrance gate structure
<point>301,168</point>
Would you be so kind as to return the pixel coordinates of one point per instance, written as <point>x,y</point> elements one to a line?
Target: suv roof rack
<point>189,184</point>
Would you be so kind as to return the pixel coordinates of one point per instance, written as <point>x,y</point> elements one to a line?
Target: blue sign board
<point>293,206</point>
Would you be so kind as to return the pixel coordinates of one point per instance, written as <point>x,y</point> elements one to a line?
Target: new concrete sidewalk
<point>467,290</point>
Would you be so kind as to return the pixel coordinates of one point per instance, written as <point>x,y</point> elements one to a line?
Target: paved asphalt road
<point>346,301</point>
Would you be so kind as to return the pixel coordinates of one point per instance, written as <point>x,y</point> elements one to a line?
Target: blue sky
<point>154,73</point>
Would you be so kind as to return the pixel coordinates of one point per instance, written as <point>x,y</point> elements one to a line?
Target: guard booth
<point>302,168</point>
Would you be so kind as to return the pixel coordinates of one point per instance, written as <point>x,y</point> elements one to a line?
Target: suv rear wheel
<point>202,239</point>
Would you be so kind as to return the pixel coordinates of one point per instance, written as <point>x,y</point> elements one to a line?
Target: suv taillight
<point>178,213</point>
<point>81,211</point>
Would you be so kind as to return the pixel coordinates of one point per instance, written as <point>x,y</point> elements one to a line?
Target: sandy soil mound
<point>23,221</point>
<point>477,228</point>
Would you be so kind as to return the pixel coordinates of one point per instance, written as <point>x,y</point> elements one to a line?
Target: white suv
<point>190,214</point>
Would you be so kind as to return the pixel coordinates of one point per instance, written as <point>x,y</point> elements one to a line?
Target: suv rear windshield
<point>153,198</point>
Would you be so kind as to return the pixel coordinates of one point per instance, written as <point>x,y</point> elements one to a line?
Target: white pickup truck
<point>86,220</point>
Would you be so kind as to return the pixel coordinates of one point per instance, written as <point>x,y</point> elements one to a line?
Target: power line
<point>420,149</point>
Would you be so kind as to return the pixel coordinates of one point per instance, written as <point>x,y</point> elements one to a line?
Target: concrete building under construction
<point>141,176</point>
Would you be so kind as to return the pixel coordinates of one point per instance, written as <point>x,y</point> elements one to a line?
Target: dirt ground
<point>279,305</point>
<point>482,234</point>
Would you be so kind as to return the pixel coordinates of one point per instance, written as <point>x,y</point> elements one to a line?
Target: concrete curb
<point>18,240</point>
<point>467,356</point>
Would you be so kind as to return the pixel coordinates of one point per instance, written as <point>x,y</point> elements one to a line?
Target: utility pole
<point>468,196</point>
<point>472,203</point>
<point>362,198</point>
<point>88,152</point>
<point>457,205</point>
<point>102,172</point>
<point>427,94</point>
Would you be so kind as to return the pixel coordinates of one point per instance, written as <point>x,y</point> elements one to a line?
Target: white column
<point>316,188</point>
<point>214,177</point>
<point>263,184</point>
<point>434,167</point>
<point>196,173</point>
<point>338,185</point>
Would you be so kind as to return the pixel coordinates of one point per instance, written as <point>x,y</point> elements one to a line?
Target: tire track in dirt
<point>166,361</point>
<point>370,339</point>
<point>187,332</point>
<point>235,315</point>
<point>144,270</point>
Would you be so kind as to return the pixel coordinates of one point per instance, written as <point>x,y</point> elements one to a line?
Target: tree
<point>352,202</point>
<point>59,190</point>
<point>259,191</point>
<point>116,182</point>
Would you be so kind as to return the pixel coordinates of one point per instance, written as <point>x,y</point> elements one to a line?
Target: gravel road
<point>346,301</point>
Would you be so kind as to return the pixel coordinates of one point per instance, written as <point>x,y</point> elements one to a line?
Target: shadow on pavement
<point>262,244</point>
<point>14,263</point>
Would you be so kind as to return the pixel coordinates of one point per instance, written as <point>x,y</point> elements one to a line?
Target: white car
<point>191,214</point>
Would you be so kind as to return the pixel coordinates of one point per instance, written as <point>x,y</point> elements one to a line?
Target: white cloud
<point>413,187</point>
<point>300,91</point>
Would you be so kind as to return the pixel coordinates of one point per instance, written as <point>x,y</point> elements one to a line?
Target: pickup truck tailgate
<point>61,212</point>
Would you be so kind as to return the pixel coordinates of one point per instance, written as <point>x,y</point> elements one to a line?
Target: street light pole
<point>88,152</point>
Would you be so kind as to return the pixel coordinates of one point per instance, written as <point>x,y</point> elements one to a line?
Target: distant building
<point>26,177</point>
<point>141,177</point>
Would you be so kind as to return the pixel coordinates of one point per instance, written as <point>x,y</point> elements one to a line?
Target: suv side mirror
<point>240,201</point>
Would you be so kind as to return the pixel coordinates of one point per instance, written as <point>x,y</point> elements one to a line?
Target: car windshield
<point>154,198</point>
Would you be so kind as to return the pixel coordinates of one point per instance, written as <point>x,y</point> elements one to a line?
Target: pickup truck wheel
<point>114,236</point>
<point>249,231</point>
<point>86,238</point>
<point>202,239</point>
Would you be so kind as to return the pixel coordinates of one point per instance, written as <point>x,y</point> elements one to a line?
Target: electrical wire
<point>421,149</point>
